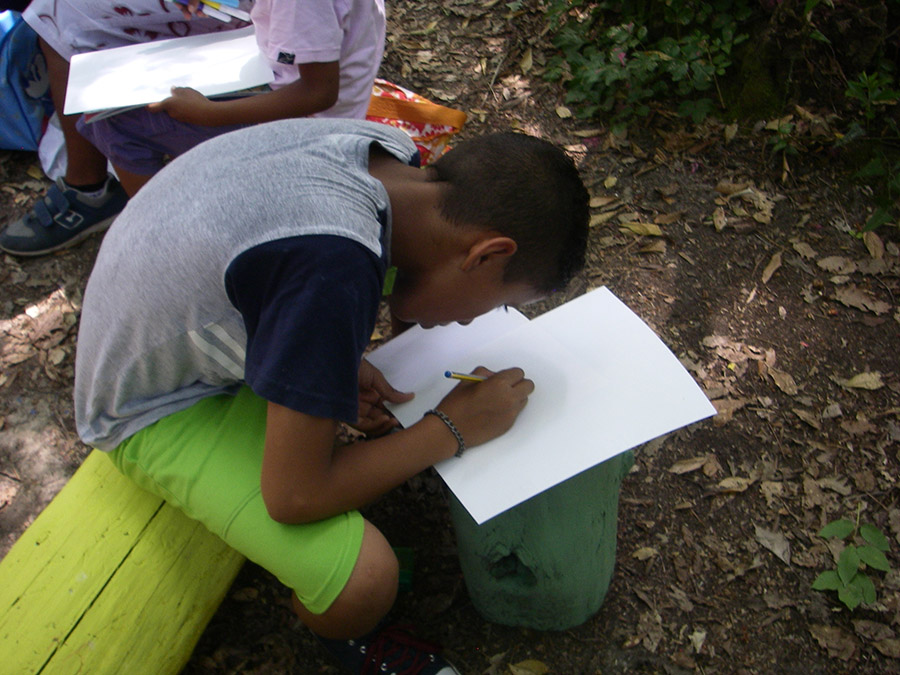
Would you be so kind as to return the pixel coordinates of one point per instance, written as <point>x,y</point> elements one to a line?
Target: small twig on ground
<point>494,76</point>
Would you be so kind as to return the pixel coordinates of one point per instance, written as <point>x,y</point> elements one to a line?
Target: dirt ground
<point>746,266</point>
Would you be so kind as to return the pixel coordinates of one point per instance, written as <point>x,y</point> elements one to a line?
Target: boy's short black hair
<point>524,188</point>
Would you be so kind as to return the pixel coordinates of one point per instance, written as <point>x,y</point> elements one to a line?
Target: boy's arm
<point>315,91</point>
<point>304,478</point>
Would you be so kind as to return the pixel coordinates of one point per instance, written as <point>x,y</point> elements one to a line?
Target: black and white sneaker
<point>393,650</point>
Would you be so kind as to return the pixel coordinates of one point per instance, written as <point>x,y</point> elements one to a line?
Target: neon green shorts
<point>207,460</point>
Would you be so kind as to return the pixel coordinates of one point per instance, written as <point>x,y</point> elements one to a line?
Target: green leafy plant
<point>871,92</point>
<point>782,139</point>
<point>865,549</point>
<point>886,174</point>
<point>618,57</point>
<point>872,96</point>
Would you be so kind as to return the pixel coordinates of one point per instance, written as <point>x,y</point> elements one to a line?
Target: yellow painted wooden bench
<point>109,579</point>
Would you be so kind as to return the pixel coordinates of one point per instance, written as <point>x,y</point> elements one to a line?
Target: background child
<point>325,55</point>
<point>216,364</point>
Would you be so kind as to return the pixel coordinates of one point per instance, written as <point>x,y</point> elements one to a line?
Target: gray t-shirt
<point>158,331</point>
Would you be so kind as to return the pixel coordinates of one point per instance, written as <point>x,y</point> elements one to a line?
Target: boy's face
<point>440,301</point>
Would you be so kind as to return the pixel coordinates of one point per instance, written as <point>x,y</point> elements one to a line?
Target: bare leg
<point>366,599</point>
<point>131,182</point>
<point>86,165</point>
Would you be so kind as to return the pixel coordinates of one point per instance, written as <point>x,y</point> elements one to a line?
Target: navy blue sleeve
<point>309,305</point>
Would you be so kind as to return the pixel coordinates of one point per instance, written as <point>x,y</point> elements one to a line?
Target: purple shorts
<point>140,141</point>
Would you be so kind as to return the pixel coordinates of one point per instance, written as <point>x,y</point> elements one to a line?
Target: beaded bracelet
<point>446,420</point>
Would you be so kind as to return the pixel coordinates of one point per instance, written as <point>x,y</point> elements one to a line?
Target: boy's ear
<point>489,250</point>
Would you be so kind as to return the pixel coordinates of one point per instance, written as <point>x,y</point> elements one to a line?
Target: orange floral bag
<point>429,125</point>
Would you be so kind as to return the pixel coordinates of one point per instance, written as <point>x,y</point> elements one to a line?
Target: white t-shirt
<point>319,31</point>
<point>308,31</point>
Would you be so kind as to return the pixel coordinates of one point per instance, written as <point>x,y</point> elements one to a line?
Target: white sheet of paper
<point>408,359</point>
<point>604,383</point>
<point>213,64</point>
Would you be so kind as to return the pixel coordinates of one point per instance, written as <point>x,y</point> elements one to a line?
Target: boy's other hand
<point>484,410</point>
<point>185,105</point>
<point>374,392</point>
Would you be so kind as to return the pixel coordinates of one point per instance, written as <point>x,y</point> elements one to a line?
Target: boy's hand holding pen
<point>485,404</point>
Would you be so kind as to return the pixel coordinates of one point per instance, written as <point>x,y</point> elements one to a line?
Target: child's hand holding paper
<point>185,105</point>
<point>374,392</point>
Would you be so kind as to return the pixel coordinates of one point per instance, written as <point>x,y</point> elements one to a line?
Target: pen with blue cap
<point>463,376</point>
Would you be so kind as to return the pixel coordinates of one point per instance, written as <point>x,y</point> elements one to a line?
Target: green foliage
<point>617,57</point>
<point>865,549</point>
<point>620,58</point>
<point>885,175</point>
<point>782,140</point>
<point>872,91</point>
<point>873,97</point>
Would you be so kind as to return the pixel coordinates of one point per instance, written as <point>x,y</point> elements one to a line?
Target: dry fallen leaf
<point>839,644</point>
<point>495,662</point>
<point>527,61</point>
<point>772,267</point>
<point>870,380</point>
<point>719,220</point>
<point>889,647</point>
<point>712,467</point>
<point>587,133</point>
<point>667,218</point>
<point>656,246</point>
<point>805,250</point>
<point>645,553</point>
<point>529,667</point>
<point>730,132</point>
<point>872,630</point>
<point>697,638</point>
<point>808,417</point>
<point>688,465</point>
<point>776,542</point>
<point>784,381</point>
<point>643,229</point>
<point>837,264</point>
<point>771,490</point>
<point>56,355</point>
<point>764,205</point>
<point>726,407</point>
<point>735,484</point>
<point>601,201</point>
<point>874,245</point>
<point>853,296</point>
<point>726,188</point>
<point>563,112</point>
<point>601,218</point>
<point>835,484</point>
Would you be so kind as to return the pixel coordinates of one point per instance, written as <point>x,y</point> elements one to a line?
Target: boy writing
<point>216,364</point>
<point>324,53</point>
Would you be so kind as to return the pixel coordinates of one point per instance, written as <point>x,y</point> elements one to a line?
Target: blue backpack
<point>25,104</point>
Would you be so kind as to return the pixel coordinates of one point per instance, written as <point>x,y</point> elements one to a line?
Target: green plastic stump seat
<point>547,562</point>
